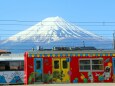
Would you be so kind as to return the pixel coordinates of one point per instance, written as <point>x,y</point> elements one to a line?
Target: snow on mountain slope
<point>52,29</point>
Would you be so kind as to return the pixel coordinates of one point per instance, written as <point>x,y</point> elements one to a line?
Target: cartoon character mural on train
<point>69,66</point>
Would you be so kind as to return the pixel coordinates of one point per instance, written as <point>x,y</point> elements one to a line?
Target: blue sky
<point>97,16</point>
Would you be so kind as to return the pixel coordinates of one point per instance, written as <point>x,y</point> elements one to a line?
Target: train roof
<point>11,57</point>
<point>76,51</point>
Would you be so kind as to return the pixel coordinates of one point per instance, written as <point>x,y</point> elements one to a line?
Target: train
<point>11,69</point>
<point>69,66</point>
<point>58,65</point>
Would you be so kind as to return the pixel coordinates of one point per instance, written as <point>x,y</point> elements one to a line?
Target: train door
<point>65,68</point>
<point>113,69</point>
<point>38,69</point>
<point>61,69</point>
<point>56,70</point>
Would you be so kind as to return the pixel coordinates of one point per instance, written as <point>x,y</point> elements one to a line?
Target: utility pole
<point>114,40</point>
<point>83,43</point>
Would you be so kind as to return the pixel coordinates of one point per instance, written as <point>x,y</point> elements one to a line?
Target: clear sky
<point>97,16</point>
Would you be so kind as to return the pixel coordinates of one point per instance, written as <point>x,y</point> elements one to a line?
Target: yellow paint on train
<point>60,70</point>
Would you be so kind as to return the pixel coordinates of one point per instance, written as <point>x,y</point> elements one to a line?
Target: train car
<point>114,69</point>
<point>12,69</point>
<point>85,66</point>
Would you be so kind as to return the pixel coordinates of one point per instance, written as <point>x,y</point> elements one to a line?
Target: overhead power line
<point>101,24</point>
<point>45,30</point>
<point>48,34</point>
<point>98,29</point>
<point>57,21</point>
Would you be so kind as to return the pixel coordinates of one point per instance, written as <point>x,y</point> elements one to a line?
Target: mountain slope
<point>53,31</point>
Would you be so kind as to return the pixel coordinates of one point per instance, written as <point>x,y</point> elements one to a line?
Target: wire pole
<point>83,44</point>
<point>114,40</point>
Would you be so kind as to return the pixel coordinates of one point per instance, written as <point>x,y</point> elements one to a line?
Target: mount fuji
<point>53,31</point>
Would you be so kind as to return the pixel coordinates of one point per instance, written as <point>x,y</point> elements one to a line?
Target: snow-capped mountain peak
<point>52,29</point>
<point>50,32</point>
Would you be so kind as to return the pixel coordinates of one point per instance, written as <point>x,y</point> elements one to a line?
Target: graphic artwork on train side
<point>69,66</point>
<point>11,77</point>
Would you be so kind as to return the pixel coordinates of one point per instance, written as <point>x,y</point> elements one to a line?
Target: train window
<point>97,67</point>
<point>97,64</point>
<point>91,64</point>
<point>16,65</point>
<point>56,64</point>
<point>11,65</point>
<point>84,65</point>
<point>64,64</point>
<point>38,64</point>
<point>83,62</point>
<point>97,61</point>
<point>4,65</point>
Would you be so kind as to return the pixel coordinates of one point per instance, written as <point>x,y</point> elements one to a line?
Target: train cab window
<point>65,64</point>
<point>56,64</point>
<point>38,64</point>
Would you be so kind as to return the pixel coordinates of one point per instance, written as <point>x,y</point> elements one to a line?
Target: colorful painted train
<point>81,66</point>
<point>12,69</point>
